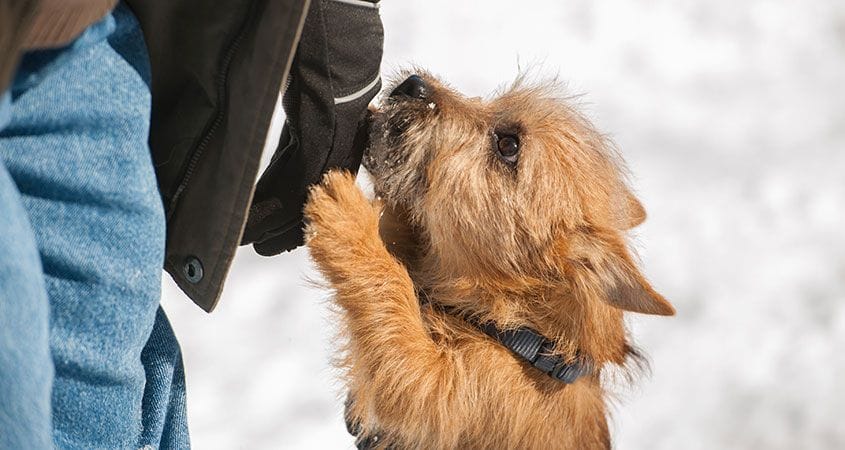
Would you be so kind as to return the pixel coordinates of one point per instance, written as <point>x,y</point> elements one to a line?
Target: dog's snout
<point>413,87</point>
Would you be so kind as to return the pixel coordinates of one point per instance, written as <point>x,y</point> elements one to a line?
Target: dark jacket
<point>16,17</point>
<point>217,70</point>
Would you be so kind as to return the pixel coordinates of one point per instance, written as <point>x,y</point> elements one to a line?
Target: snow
<point>731,116</point>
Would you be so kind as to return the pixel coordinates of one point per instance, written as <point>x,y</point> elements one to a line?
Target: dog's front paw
<point>338,214</point>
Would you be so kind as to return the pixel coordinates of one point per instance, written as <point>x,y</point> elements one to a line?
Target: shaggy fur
<point>538,243</point>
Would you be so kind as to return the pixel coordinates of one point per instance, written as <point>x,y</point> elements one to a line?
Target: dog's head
<point>518,187</point>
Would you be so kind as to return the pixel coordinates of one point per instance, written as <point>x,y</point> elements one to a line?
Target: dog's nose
<point>414,87</point>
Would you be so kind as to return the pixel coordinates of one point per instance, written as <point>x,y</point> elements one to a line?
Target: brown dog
<point>510,213</point>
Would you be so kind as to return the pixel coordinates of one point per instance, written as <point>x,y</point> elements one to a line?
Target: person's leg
<point>76,148</point>
<point>26,369</point>
<point>165,418</point>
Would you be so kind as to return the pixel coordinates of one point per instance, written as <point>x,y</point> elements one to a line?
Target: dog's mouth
<point>388,126</point>
<point>373,120</point>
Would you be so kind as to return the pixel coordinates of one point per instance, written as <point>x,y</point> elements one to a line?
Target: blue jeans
<point>87,356</point>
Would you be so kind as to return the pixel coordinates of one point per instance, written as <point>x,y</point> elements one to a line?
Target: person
<point>130,140</point>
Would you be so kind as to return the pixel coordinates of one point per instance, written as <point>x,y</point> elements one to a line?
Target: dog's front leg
<point>401,378</point>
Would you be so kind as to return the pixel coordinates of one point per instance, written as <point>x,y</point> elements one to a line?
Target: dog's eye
<point>507,146</point>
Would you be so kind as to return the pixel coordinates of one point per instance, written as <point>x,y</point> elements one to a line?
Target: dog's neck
<point>526,344</point>
<point>576,325</point>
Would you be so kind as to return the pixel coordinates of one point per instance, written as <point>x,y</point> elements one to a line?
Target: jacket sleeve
<point>334,75</point>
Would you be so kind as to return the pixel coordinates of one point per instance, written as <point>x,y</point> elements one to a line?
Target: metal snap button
<point>192,269</point>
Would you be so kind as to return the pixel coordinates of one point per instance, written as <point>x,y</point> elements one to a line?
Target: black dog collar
<point>533,347</point>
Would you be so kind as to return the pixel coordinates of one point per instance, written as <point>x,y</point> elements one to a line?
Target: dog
<point>498,225</point>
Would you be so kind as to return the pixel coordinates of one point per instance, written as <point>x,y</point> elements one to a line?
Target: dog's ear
<point>628,289</point>
<point>631,212</point>
<point>602,266</point>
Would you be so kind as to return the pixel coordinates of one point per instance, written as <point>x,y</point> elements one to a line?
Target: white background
<point>731,115</point>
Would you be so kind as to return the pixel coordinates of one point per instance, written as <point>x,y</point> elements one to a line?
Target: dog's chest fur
<point>499,401</point>
<point>489,397</point>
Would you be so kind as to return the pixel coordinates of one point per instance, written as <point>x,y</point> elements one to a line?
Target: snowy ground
<point>732,117</point>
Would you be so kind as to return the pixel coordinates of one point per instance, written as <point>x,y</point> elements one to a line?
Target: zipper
<point>223,96</point>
